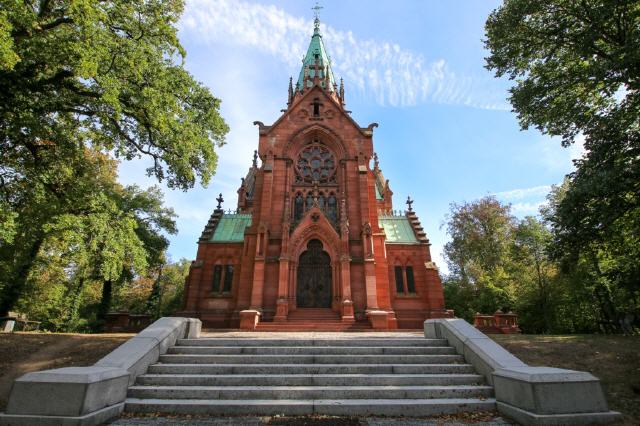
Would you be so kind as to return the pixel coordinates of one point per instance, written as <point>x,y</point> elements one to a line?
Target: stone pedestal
<point>347,311</point>
<point>7,326</point>
<point>378,320</point>
<point>282,311</point>
<point>249,318</point>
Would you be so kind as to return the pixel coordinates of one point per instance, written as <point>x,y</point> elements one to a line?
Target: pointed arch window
<point>332,208</point>
<point>222,279</point>
<point>411,285</point>
<point>298,208</point>
<point>399,279</point>
<point>321,202</point>
<point>405,280</point>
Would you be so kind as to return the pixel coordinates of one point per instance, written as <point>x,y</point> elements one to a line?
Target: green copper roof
<point>231,228</point>
<point>398,229</point>
<point>316,52</point>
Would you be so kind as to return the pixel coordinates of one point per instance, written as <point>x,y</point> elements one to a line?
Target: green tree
<point>478,254</point>
<point>536,273</point>
<point>605,266</point>
<point>576,68</point>
<point>165,297</point>
<point>104,75</point>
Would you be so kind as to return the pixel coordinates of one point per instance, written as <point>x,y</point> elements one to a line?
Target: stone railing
<point>529,395</point>
<point>93,395</point>
<point>498,323</point>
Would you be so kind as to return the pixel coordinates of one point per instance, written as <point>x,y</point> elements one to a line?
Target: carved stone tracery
<point>315,164</point>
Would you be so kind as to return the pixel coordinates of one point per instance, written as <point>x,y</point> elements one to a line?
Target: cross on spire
<point>316,11</point>
<point>219,200</point>
<point>409,202</point>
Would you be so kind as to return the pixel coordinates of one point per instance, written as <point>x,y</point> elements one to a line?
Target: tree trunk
<point>74,307</point>
<point>16,284</point>
<point>105,303</point>
<point>603,295</point>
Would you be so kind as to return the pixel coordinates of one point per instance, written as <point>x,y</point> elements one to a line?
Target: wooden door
<point>314,277</point>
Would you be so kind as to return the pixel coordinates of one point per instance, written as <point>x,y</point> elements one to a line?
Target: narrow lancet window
<point>217,276</point>
<point>399,279</point>
<point>411,286</point>
<point>228,278</point>
<point>298,209</point>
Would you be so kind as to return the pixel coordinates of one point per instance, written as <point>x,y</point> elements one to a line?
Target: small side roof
<point>398,229</point>
<point>231,228</point>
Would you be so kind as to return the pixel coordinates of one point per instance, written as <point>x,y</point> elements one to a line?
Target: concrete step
<point>350,407</point>
<point>353,341</point>
<point>312,350</point>
<point>292,327</point>
<point>309,392</point>
<point>311,359</point>
<point>311,369</point>
<point>309,379</point>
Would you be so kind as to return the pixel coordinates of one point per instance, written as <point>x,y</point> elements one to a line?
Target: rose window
<point>316,164</point>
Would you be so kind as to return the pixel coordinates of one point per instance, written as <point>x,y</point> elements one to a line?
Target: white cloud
<point>385,71</point>
<point>527,208</point>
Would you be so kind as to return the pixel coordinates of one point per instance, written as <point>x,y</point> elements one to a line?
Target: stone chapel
<point>314,243</point>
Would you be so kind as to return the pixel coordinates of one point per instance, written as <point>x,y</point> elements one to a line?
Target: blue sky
<point>415,67</point>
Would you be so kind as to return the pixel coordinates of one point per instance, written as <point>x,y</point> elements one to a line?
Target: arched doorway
<point>314,277</point>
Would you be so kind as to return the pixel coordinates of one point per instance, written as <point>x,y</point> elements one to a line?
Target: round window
<point>316,163</point>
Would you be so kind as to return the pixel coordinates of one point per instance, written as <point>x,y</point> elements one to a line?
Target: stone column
<point>249,318</point>
<point>282,305</point>
<point>345,279</point>
<point>369,268</point>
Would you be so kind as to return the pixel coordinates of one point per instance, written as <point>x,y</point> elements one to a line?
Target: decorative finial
<point>255,159</point>
<point>376,164</point>
<point>290,91</point>
<point>409,202</point>
<point>316,13</point>
<point>342,91</point>
<point>220,200</point>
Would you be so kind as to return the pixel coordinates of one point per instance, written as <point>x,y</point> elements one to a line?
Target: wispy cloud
<point>528,208</point>
<point>525,201</point>
<point>522,193</point>
<point>389,73</point>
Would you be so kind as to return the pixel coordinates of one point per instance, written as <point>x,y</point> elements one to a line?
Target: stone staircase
<point>382,376</point>
<point>314,319</point>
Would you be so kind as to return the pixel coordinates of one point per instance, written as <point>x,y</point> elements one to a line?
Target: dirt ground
<point>22,353</point>
<point>615,360</point>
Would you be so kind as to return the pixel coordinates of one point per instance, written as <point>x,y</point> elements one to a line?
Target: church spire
<point>316,62</point>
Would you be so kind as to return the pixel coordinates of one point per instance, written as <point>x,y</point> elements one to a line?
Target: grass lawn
<point>615,360</point>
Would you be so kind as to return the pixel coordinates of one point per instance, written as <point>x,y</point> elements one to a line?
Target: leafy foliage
<point>576,69</point>
<point>586,294</point>
<point>110,70</point>
<point>82,81</point>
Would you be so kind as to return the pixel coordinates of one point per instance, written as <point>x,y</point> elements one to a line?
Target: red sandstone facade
<point>314,235</point>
